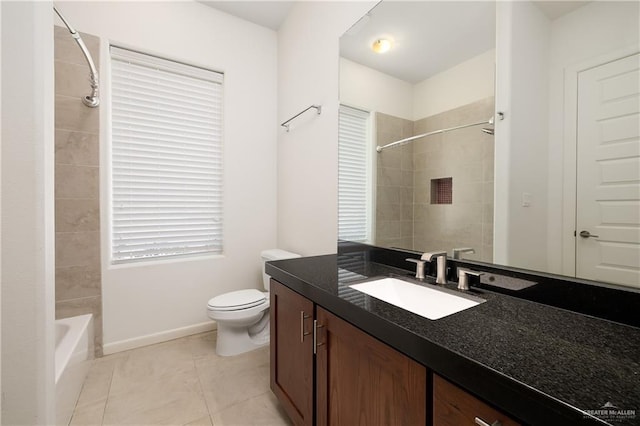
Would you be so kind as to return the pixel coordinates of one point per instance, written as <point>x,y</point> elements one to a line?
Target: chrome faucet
<point>458,251</point>
<point>441,264</point>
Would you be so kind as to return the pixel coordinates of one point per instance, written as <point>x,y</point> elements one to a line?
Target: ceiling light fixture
<point>381,45</point>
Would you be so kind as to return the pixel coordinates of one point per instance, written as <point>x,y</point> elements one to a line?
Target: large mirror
<point>507,130</point>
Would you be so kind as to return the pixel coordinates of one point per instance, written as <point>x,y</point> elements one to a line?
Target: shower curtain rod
<point>435,132</point>
<point>91,100</point>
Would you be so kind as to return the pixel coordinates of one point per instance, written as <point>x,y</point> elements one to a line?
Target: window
<point>166,158</point>
<point>354,175</point>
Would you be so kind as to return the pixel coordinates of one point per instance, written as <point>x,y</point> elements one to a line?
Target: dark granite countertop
<point>540,364</point>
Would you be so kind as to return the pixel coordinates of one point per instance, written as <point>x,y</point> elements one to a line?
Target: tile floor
<point>181,382</point>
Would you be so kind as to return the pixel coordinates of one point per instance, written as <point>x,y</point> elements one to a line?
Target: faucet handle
<point>429,256</point>
<point>458,251</point>
<point>463,277</point>
<point>419,267</point>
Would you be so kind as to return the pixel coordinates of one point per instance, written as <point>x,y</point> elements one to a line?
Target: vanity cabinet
<point>291,373</point>
<point>358,379</point>
<point>362,381</point>
<point>453,406</point>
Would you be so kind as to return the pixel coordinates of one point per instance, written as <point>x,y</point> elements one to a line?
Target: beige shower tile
<point>406,160</point>
<point>407,179</point>
<point>66,48</point>
<point>481,110</point>
<point>75,282</point>
<point>406,229</point>
<point>77,181</point>
<point>466,193</point>
<point>72,114</point>
<point>388,195</point>
<point>388,229</point>
<point>388,176</point>
<point>263,409</point>
<point>77,148</point>
<point>487,234</point>
<point>487,254</point>
<point>487,213</point>
<point>391,157</point>
<point>388,212</point>
<point>77,249</point>
<point>466,172</point>
<point>487,192</point>
<point>72,79</point>
<point>77,215</point>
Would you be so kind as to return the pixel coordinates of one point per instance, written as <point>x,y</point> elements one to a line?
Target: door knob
<point>587,234</point>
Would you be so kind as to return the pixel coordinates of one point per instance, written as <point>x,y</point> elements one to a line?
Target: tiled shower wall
<point>465,155</point>
<point>394,183</point>
<point>405,216</point>
<point>77,190</point>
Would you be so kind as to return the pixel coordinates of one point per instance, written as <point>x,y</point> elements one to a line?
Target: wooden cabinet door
<point>292,352</point>
<point>453,406</point>
<point>362,381</point>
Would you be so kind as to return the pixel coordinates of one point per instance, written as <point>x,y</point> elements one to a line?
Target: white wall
<point>460,85</point>
<point>28,395</point>
<point>144,303</point>
<point>308,64</point>
<point>521,140</point>
<point>594,30</point>
<point>365,88</point>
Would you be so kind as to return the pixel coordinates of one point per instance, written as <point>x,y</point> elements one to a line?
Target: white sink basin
<point>428,302</point>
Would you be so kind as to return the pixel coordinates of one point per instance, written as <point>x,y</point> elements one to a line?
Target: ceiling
<point>270,14</point>
<point>428,37</point>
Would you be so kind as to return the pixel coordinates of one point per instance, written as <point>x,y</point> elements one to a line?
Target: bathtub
<point>73,355</point>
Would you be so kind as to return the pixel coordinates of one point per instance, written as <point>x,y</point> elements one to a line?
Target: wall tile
<point>66,49</point>
<point>67,79</point>
<point>75,215</point>
<point>77,148</point>
<point>72,114</point>
<point>77,282</point>
<point>77,249</point>
<point>76,181</point>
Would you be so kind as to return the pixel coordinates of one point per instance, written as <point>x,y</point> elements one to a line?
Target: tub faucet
<point>441,264</point>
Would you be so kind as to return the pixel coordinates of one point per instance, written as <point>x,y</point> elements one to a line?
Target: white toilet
<point>243,315</point>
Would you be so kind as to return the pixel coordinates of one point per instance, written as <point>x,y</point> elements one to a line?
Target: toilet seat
<point>237,300</point>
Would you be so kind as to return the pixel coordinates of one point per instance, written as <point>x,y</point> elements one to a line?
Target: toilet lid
<point>241,299</point>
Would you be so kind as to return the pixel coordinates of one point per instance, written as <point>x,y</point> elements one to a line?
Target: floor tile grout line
<point>106,402</point>
<point>206,404</point>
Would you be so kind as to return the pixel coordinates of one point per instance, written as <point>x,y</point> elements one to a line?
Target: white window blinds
<point>166,158</point>
<point>354,180</point>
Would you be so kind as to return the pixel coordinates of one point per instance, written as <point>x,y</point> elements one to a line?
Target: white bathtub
<point>73,355</point>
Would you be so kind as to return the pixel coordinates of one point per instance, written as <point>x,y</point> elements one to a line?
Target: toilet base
<point>237,340</point>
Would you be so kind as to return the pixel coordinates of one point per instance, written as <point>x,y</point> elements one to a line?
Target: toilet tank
<point>274,254</point>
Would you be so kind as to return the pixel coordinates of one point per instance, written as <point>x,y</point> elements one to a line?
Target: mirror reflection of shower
<point>91,100</point>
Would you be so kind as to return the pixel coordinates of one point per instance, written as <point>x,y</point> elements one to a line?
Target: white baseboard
<point>163,336</point>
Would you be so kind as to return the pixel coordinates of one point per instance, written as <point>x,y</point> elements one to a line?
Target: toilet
<point>242,316</point>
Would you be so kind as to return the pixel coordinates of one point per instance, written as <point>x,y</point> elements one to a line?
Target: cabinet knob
<point>481,422</point>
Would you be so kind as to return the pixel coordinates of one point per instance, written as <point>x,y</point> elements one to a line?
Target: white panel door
<point>608,173</point>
